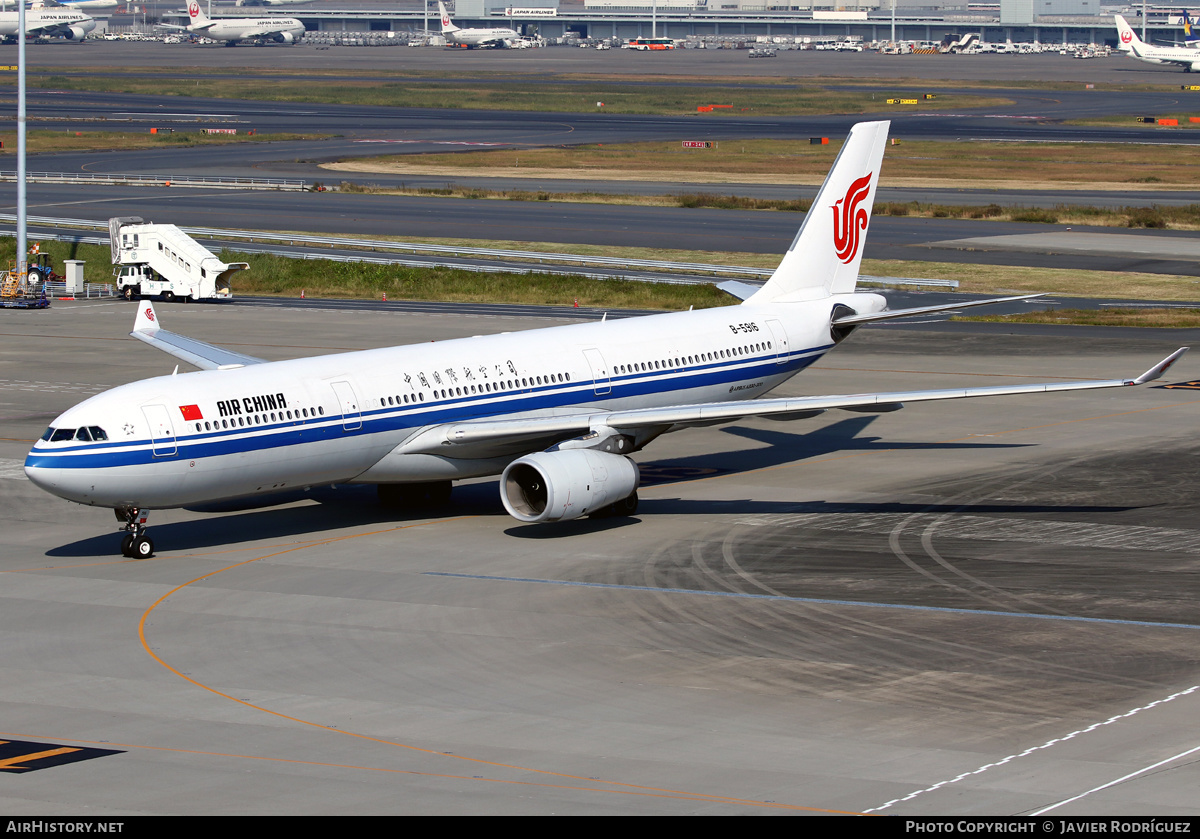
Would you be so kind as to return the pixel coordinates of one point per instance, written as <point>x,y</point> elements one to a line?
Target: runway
<point>747,231</point>
<point>1035,115</point>
<point>979,607</point>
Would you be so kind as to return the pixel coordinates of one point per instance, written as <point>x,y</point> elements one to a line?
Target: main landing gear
<point>136,544</point>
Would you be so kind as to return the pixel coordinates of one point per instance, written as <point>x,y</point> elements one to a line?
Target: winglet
<point>146,320</point>
<point>1158,369</point>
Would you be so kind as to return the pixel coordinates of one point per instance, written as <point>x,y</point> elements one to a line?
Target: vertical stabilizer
<point>196,14</point>
<point>1126,37</point>
<point>447,25</point>
<point>826,253</point>
<point>1191,37</point>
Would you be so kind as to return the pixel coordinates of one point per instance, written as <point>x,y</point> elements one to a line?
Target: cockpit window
<point>92,433</point>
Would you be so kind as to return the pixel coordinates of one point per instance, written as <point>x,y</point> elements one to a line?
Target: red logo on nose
<point>851,219</point>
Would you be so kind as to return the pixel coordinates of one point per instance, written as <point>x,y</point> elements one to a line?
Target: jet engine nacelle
<point>75,33</point>
<point>285,38</point>
<point>564,485</point>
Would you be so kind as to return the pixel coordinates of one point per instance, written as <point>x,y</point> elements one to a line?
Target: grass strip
<point>44,140</point>
<point>1032,165</point>
<point>281,276</point>
<point>1186,217</point>
<point>577,95</point>
<point>1164,318</point>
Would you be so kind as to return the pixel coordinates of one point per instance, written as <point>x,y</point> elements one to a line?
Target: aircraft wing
<point>198,353</point>
<point>500,433</point>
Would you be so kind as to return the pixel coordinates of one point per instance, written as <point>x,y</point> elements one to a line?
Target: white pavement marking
<point>1046,745</point>
<point>1141,771</point>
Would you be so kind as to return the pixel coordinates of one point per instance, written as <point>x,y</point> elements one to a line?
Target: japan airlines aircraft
<point>283,30</point>
<point>91,5</point>
<point>71,24</point>
<point>471,38</point>
<point>554,411</point>
<point>1131,44</point>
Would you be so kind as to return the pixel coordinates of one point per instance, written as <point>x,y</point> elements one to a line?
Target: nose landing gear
<point>136,544</point>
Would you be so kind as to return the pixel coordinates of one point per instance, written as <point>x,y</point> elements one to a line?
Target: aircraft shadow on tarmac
<point>783,447</point>
<point>279,516</point>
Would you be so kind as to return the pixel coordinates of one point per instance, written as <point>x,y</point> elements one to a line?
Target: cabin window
<point>198,428</point>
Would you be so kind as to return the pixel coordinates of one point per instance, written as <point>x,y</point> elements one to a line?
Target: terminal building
<point>1044,21</point>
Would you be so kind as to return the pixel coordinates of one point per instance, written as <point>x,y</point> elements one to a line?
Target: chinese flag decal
<point>191,413</point>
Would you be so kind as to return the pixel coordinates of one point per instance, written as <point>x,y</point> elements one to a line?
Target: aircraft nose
<point>40,476</point>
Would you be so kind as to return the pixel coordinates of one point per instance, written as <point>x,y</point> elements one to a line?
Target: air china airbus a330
<point>555,411</point>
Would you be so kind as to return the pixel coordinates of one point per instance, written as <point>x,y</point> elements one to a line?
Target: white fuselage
<point>1133,46</point>
<point>94,5</point>
<point>481,37</point>
<point>250,28</point>
<point>211,435</point>
<point>47,21</point>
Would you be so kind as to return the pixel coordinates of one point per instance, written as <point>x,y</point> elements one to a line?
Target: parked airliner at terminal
<point>281,30</point>
<point>492,37</point>
<point>45,21</point>
<point>1185,57</point>
<point>556,412</point>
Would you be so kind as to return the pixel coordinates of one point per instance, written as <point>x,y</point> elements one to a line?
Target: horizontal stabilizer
<point>740,290</point>
<point>197,353</point>
<point>853,320</point>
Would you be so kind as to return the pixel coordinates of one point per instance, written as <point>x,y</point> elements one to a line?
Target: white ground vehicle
<point>161,260</point>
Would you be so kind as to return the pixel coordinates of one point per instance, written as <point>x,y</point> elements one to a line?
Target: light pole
<point>21,245</point>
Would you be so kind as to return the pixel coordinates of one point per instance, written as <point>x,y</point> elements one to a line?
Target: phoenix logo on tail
<point>847,225</point>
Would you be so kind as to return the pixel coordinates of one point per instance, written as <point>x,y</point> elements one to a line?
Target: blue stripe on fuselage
<point>381,420</point>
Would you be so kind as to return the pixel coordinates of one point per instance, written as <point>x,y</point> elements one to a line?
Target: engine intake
<point>564,485</point>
